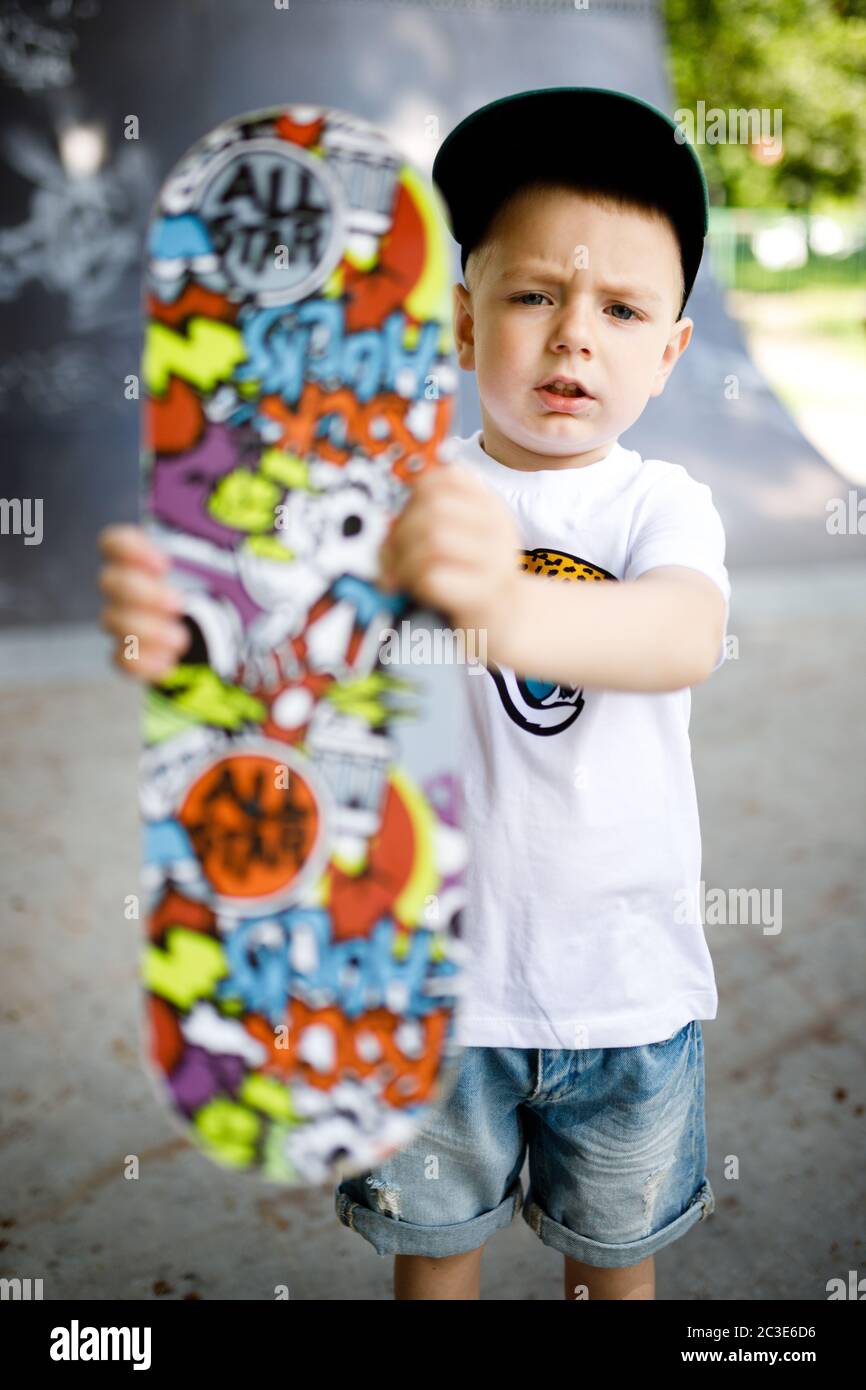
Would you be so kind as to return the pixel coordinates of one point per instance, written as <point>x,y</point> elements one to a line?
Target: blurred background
<point>97,102</point>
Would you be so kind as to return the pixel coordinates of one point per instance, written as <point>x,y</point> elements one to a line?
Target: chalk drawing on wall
<point>35,50</point>
<point>81,234</point>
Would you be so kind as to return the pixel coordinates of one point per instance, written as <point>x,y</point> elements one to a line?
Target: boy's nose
<point>574,330</point>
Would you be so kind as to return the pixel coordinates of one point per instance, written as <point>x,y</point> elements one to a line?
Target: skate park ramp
<point>70,247</point>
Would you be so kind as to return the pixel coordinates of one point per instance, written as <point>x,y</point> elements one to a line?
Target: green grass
<point>818,273</point>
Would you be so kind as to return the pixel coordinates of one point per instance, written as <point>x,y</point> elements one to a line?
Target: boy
<point>588,970</point>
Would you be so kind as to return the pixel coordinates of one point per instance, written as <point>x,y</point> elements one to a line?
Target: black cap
<point>586,135</point>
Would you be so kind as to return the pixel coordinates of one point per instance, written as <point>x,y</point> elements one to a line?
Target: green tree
<point>806,58</point>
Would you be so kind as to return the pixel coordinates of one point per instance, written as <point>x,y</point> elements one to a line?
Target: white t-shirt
<point>583,913</point>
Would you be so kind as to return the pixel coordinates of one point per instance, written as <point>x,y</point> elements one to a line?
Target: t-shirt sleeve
<point>678,524</point>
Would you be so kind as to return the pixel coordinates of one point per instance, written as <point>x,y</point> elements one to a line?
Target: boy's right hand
<point>139,603</point>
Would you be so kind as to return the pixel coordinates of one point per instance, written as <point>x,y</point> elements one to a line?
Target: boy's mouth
<point>564,393</point>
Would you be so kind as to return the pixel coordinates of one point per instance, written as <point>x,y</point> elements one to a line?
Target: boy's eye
<point>529,294</point>
<point>628,310</point>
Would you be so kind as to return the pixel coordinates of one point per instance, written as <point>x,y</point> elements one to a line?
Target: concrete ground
<point>779,745</point>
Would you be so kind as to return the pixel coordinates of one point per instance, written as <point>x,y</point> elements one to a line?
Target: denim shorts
<point>617,1152</point>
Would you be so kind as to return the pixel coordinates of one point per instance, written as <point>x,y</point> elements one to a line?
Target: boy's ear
<point>464,328</point>
<point>676,346</point>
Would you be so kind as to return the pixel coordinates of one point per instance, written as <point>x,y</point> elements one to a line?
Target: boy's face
<point>569,287</point>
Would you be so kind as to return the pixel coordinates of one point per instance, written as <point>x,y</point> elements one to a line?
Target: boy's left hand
<point>454,548</point>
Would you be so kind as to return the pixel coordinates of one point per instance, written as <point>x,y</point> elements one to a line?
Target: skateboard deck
<point>303,855</point>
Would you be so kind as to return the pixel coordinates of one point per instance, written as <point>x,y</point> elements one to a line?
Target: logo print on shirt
<point>539,706</point>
